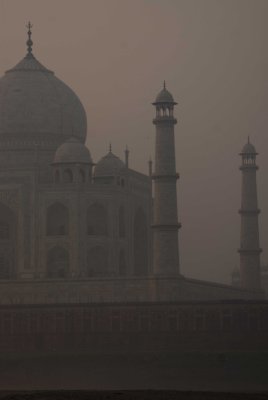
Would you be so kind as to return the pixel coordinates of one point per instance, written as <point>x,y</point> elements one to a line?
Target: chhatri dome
<point>72,151</point>
<point>164,96</point>
<point>109,165</point>
<point>248,149</point>
<point>37,107</point>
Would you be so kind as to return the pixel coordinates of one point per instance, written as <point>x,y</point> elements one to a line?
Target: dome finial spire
<point>110,147</point>
<point>164,84</point>
<point>29,41</point>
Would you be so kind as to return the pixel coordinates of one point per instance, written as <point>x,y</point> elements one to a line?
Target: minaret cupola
<point>249,154</point>
<point>164,104</point>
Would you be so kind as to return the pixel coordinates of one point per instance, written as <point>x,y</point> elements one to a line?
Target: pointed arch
<point>5,267</point>
<point>57,176</point>
<point>122,263</point>
<point>140,245</point>
<point>57,263</point>
<point>81,176</point>
<point>4,230</point>
<point>57,220</point>
<point>97,220</point>
<point>8,242</point>
<point>121,222</point>
<point>97,262</point>
<point>67,176</point>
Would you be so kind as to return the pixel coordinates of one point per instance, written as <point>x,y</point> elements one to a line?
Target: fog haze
<point>213,55</point>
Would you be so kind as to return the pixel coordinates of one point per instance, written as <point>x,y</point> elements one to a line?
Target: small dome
<point>248,148</point>
<point>164,96</point>
<point>109,165</point>
<point>72,151</point>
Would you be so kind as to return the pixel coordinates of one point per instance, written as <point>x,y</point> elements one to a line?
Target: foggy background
<point>213,55</point>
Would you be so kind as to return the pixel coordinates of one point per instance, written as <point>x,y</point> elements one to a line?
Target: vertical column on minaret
<point>165,215</point>
<point>249,235</point>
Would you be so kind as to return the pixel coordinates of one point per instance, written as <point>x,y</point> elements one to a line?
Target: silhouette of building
<point>75,231</point>
<point>88,259</point>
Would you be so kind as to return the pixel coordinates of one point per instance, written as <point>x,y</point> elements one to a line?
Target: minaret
<point>249,235</point>
<point>165,215</point>
<point>126,157</point>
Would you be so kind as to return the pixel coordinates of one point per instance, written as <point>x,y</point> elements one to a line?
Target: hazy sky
<point>213,54</point>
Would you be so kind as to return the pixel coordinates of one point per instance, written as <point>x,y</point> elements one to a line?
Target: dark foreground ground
<point>130,395</point>
<point>244,373</point>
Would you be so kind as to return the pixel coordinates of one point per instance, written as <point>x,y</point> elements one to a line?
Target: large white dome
<point>37,108</point>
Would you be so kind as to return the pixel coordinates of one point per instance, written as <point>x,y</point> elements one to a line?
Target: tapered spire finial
<point>110,147</point>
<point>164,84</point>
<point>29,41</point>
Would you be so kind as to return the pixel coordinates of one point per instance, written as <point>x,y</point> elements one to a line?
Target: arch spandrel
<point>10,198</point>
<point>140,242</point>
<point>57,220</point>
<point>58,263</point>
<point>97,219</point>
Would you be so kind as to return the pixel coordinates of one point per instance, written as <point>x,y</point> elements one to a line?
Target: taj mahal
<point>74,231</point>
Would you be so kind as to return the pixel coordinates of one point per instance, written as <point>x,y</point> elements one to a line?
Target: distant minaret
<point>126,157</point>
<point>249,236</point>
<point>165,216</point>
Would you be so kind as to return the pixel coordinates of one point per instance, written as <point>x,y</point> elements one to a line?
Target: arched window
<point>57,176</point>
<point>8,242</point>
<point>5,270</point>
<point>67,176</point>
<point>97,220</point>
<point>140,243</point>
<point>81,176</point>
<point>4,230</point>
<point>57,263</point>
<point>97,262</point>
<point>121,222</point>
<point>57,220</point>
<point>122,263</point>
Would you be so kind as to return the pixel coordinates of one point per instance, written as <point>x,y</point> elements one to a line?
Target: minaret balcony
<point>250,251</point>
<point>249,212</point>
<point>165,176</point>
<point>165,120</point>
<point>248,167</point>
